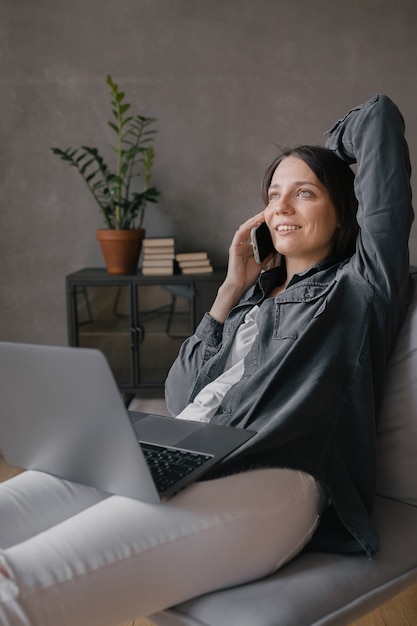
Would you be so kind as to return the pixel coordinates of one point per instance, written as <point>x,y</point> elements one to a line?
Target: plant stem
<point>118,165</point>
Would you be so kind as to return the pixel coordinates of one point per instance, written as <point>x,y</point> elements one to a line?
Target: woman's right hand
<point>242,270</point>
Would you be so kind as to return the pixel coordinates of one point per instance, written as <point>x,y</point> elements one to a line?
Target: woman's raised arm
<point>372,135</point>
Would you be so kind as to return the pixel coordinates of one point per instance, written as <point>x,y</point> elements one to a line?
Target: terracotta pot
<point>120,249</point>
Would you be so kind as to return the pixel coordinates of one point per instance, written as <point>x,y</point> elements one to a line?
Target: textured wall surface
<point>227,81</point>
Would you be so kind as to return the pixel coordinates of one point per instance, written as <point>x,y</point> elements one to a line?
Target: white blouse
<point>207,402</point>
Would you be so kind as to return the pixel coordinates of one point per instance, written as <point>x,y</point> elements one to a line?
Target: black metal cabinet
<point>139,322</point>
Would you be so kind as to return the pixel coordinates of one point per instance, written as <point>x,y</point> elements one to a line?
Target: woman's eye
<point>306,193</point>
<point>273,196</point>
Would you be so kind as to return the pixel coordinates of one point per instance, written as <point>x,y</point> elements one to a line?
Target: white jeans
<point>77,557</point>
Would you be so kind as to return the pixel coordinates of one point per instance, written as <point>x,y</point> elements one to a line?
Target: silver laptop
<point>62,413</point>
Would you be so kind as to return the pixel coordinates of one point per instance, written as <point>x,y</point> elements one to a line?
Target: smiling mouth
<point>287,227</point>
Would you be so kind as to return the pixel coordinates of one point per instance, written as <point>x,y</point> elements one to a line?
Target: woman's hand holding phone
<point>242,270</point>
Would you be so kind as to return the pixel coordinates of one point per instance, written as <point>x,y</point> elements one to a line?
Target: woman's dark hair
<point>338,178</point>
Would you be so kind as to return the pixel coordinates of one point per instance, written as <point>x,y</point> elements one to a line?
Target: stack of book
<point>194,263</point>
<point>158,256</point>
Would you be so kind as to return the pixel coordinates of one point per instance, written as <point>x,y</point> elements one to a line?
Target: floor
<point>149,405</point>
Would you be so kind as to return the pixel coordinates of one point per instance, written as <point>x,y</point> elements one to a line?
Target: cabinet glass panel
<point>165,319</point>
<point>103,322</point>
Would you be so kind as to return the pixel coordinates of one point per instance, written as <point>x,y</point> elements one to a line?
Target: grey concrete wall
<point>227,80</point>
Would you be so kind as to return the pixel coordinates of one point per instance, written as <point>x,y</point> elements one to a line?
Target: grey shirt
<point>313,379</point>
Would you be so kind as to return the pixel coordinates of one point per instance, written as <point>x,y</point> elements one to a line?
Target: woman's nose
<point>283,205</point>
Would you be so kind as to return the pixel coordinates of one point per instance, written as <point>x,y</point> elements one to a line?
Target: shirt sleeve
<point>187,374</point>
<point>372,136</point>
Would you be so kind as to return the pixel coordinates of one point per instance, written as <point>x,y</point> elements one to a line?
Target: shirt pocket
<point>296,311</point>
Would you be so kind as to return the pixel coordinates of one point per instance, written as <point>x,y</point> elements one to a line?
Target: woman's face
<point>300,214</point>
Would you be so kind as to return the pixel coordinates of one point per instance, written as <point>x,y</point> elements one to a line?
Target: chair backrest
<point>397,424</point>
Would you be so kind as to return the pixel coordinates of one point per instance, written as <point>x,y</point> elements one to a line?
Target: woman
<point>298,354</point>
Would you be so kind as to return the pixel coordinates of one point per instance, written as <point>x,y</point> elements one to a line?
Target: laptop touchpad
<point>163,430</point>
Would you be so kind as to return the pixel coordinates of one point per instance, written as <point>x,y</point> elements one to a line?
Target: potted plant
<point>121,205</point>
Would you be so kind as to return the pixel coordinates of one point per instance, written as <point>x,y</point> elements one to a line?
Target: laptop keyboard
<point>169,465</point>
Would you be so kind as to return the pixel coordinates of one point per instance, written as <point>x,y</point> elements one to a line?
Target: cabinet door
<point>103,321</point>
<point>165,317</point>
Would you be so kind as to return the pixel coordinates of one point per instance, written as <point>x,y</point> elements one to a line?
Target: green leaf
<point>111,188</point>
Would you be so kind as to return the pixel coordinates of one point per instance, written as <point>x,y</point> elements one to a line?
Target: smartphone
<point>261,241</point>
